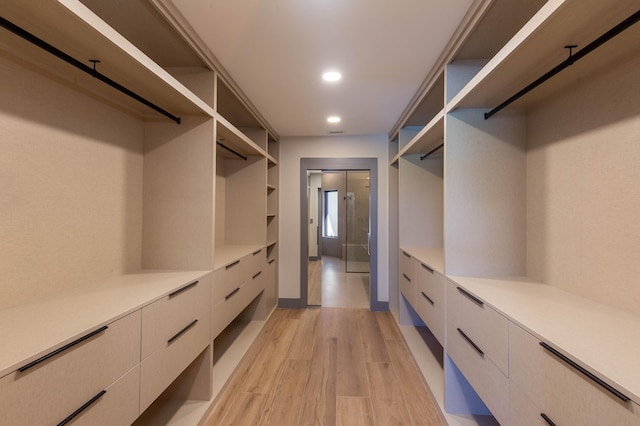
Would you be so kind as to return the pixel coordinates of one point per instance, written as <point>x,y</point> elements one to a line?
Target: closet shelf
<point>72,28</point>
<point>539,46</point>
<point>426,140</point>
<point>233,138</point>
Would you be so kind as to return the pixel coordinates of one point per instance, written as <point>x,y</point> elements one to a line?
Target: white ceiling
<point>276,51</point>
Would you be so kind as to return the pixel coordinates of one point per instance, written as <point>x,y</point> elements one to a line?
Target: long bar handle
<point>476,347</point>
<point>547,419</point>
<point>590,375</point>
<point>181,289</point>
<point>427,268</point>
<point>181,332</point>
<point>256,275</point>
<point>405,275</point>
<point>230,295</point>
<point>428,298</point>
<point>81,409</point>
<point>62,349</point>
<point>406,254</point>
<point>231,265</point>
<point>470,296</point>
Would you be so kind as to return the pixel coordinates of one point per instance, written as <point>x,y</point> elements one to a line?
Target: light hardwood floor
<point>331,285</point>
<point>326,366</point>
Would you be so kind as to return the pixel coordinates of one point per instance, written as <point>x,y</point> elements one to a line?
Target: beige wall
<point>292,149</point>
<point>583,188</point>
<point>70,187</point>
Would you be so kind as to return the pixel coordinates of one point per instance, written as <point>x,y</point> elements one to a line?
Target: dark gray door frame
<point>370,164</point>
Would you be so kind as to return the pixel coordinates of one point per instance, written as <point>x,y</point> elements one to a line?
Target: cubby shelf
<point>431,136</point>
<point>539,46</point>
<point>74,29</point>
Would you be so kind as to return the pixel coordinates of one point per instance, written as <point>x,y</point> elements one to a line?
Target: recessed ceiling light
<point>331,76</point>
<point>333,119</point>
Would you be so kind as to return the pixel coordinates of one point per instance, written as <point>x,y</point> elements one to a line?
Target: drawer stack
<point>477,341</point>
<point>93,380</point>
<point>547,384</point>
<point>407,278</point>
<point>430,299</point>
<point>175,329</point>
<point>235,285</point>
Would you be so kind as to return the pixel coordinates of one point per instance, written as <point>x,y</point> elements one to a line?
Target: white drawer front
<point>50,391</point>
<point>563,393</point>
<point>256,262</point>
<point>119,406</point>
<point>485,377</point>
<point>430,300</point>
<point>163,318</point>
<point>228,309</point>
<point>522,411</point>
<point>163,366</point>
<point>482,324</point>
<point>408,289</point>
<point>407,265</point>
<point>228,278</point>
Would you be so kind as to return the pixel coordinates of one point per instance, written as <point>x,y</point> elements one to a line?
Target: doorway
<point>354,234</point>
<point>339,234</point>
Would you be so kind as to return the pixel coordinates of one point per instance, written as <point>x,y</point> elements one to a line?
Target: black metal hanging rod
<point>81,66</point>
<point>431,152</point>
<point>573,58</point>
<point>244,157</point>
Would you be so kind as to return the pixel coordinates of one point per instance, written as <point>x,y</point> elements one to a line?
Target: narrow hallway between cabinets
<point>327,366</point>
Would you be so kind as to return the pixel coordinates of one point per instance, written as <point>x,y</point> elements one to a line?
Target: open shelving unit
<point>513,184</point>
<point>132,196</point>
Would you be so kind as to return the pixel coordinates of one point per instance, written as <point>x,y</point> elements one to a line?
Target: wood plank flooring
<point>327,366</point>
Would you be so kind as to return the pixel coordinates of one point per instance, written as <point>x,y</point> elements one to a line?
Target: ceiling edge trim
<point>473,16</point>
<point>173,16</point>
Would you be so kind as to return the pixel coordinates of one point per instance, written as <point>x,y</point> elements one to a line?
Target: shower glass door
<point>357,228</point>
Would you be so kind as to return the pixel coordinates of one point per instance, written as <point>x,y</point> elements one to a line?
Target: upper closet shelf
<point>428,139</point>
<point>72,28</point>
<point>236,142</point>
<point>540,46</point>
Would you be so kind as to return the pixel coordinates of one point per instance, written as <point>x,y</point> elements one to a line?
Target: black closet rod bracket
<point>10,26</point>
<point>572,59</point>
<point>244,157</point>
<point>431,152</point>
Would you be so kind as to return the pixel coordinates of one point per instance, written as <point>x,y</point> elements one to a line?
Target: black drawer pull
<point>231,265</point>
<point>428,298</point>
<point>405,275</point>
<point>230,295</point>
<point>547,419</point>
<point>427,268</point>
<point>62,349</point>
<point>470,296</point>
<point>180,290</point>
<point>406,254</point>
<point>271,261</point>
<point>81,409</point>
<point>476,347</point>
<point>256,252</point>
<point>590,375</point>
<point>181,332</point>
<point>256,275</point>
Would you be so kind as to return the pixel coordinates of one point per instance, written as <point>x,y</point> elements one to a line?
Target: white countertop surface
<point>432,257</point>
<point>602,339</point>
<point>30,331</point>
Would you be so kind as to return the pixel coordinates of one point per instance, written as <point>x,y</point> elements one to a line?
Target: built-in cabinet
<point>534,220</point>
<point>152,226</point>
